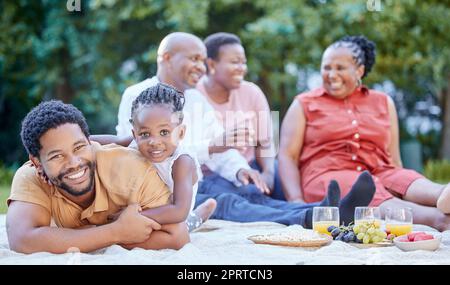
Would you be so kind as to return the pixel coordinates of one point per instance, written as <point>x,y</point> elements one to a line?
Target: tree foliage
<point>88,58</point>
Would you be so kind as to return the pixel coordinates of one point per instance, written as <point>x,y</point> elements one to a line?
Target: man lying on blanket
<point>86,184</point>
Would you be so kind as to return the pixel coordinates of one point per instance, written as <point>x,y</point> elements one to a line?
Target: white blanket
<point>222,242</point>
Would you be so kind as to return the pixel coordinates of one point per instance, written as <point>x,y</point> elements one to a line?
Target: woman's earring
<point>359,82</point>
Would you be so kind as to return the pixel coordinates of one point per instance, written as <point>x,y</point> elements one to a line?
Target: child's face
<point>157,131</point>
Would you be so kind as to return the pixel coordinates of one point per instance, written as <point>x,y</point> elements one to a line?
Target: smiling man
<point>86,184</point>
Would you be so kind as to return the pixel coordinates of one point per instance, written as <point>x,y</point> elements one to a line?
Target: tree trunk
<point>63,89</point>
<point>445,149</point>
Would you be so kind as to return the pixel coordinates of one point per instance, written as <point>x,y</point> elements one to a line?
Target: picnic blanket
<point>225,243</point>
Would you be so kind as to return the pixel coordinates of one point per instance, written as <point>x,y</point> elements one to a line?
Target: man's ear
<point>35,162</point>
<point>166,56</point>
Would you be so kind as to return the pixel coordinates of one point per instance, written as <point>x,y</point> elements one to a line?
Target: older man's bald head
<point>181,60</point>
<point>177,41</point>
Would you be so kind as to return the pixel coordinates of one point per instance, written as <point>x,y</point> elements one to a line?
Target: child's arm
<point>107,139</point>
<point>184,176</point>
<point>173,236</point>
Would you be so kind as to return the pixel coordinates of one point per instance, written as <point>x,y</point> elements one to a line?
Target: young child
<point>157,116</point>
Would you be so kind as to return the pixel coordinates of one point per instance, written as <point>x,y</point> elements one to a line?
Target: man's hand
<point>249,175</point>
<point>236,138</point>
<point>132,227</point>
<point>269,179</point>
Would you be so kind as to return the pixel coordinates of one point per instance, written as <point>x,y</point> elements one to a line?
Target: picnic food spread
<point>300,238</point>
<point>364,233</point>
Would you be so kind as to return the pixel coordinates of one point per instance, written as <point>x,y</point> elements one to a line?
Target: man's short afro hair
<point>48,115</point>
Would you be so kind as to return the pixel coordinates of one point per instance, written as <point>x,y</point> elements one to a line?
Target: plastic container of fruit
<point>419,241</point>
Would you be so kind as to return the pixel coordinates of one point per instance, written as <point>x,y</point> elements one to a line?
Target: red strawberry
<point>411,236</point>
<point>423,237</point>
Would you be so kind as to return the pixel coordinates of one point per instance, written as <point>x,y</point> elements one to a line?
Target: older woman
<point>343,128</point>
<point>240,104</point>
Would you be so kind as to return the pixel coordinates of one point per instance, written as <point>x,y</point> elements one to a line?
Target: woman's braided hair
<point>362,49</point>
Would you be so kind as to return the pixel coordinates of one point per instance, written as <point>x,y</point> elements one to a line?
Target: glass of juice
<point>369,215</point>
<point>399,221</point>
<point>323,217</point>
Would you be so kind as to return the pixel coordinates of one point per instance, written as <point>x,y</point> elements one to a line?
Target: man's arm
<point>29,231</point>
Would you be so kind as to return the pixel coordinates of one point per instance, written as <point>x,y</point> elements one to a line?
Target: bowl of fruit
<point>418,241</point>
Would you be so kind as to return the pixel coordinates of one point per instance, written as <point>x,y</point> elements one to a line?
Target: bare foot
<point>206,209</point>
<point>441,222</point>
<point>443,202</point>
<point>202,213</point>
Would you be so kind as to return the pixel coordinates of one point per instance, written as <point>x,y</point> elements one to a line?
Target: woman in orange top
<point>344,128</point>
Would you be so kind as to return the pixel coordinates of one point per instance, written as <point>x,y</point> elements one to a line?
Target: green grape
<point>382,234</point>
<point>366,239</point>
<point>360,236</point>
<point>356,229</point>
<point>362,229</point>
<point>371,231</point>
<point>374,225</point>
<point>376,239</point>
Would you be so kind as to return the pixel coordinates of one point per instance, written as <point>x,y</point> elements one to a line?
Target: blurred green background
<point>88,58</point>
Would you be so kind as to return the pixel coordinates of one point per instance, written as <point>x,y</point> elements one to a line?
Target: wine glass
<point>399,221</point>
<point>323,217</point>
<point>368,214</point>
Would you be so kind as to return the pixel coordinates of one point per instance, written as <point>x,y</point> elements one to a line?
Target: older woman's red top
<point>344,137</point>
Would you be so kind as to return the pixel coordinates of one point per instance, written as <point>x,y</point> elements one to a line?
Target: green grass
<point>4,193</point>
<point>438,171</point>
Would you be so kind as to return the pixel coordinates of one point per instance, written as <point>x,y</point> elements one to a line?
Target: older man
<point>88,183</point>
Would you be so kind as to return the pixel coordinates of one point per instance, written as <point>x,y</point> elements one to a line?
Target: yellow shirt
<point>122,177</point>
